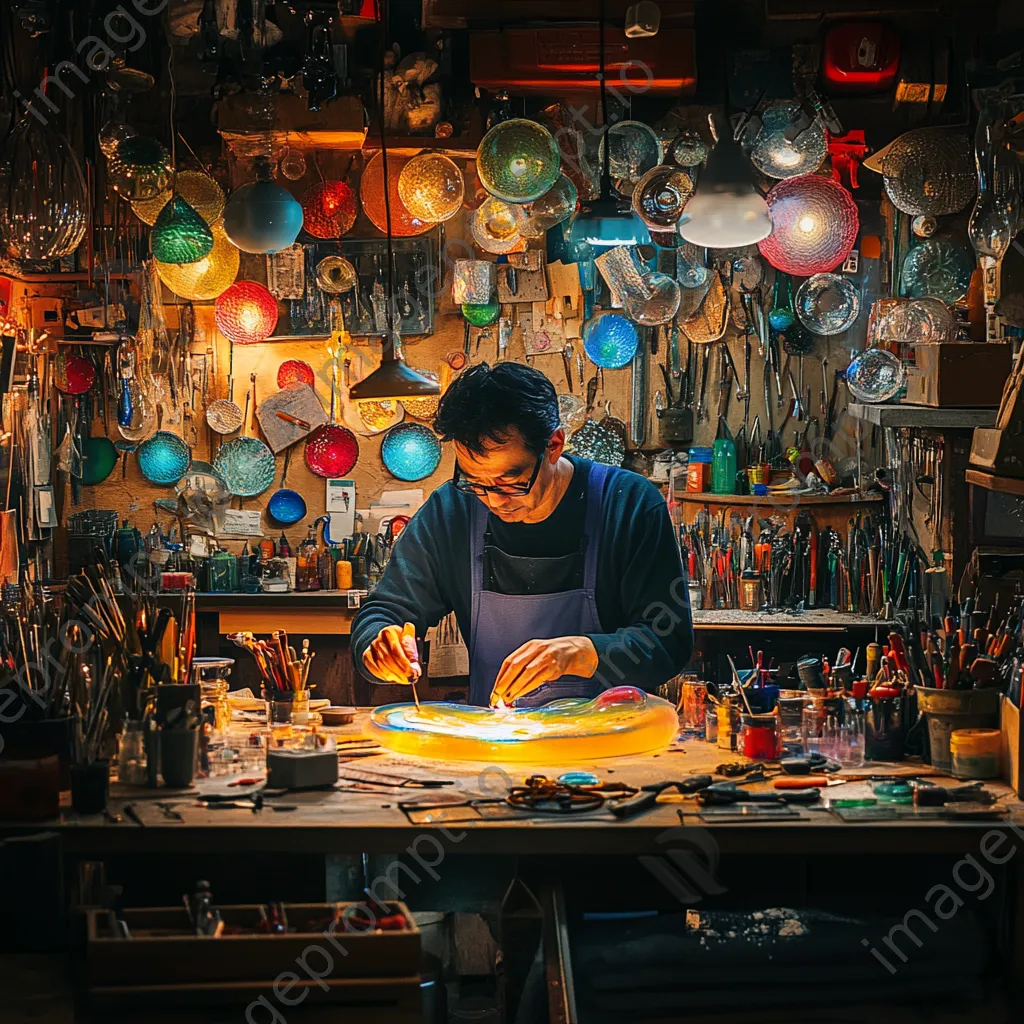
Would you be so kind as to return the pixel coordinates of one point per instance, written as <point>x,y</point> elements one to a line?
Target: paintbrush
<point>409,633</point>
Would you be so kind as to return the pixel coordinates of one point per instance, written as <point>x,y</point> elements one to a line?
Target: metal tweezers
<point>392,781</point>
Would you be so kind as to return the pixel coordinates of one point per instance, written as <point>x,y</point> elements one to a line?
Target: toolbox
<point>958,374</point>
<point>165,964</point>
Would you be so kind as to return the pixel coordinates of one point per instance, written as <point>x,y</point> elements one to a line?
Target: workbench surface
<point>356,819</point>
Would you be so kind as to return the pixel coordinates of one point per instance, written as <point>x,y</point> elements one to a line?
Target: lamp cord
<point>606,174</point>
<point>388,310</point>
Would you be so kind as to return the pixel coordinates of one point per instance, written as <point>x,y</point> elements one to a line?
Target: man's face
<point>507,463</point>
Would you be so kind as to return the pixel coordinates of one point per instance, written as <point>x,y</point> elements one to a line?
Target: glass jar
<point>693,700</point>
<point>884,727</point>
<point>791,720</point>
<point>286,709</point>
<point>728,724</point>
<point>698,470</point>
<point>212,676</point>
<point>760,737</point>
<point>131,755</point>
<point>834,728</point>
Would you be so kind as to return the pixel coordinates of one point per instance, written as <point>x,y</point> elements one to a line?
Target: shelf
<point>992,482</point>
<point>818,619</point>
<point>779,500</point>
<point>922,416</point>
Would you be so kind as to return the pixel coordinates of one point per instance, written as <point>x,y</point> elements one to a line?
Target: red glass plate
<point>75,375</point>
<point>331,451</point>
<point>295,371</point>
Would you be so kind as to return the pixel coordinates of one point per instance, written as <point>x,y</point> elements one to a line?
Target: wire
<point>606,174</point>
<point>388,308</point>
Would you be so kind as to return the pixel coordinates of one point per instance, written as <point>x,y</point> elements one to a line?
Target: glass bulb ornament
<point>140,168</point>
<point>262,217</point>
<point>660,195</point>
<point>371,193</point>
<point>432,187</point>
<point>246,313</point>
<point>827,304</point>
<point>112,134</point>
<point>777,156</point>
<point>293,164</point>
<point>495,226</point>
<point>329,209</point>
<point>180,235</point>
<point>43,204</point>
<point>610,341</point>
<point>875,375</point>
<point>551,209</point>
<point>199,190</point>
<point>815,225</point>
<point>657,303</point>
<point>410,451</point>
<point>206,278</point>
<point>518,160</point>
<point>927,172</point>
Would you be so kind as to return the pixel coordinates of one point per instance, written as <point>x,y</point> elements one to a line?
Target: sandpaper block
<point>301,769</point>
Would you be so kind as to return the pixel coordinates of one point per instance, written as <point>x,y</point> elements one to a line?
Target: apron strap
<point>478,529</point>
<point>599,474</point>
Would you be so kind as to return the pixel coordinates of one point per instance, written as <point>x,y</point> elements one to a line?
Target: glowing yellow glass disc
<point>199,190</point>
<point>208,277</point>
<point>620,722</point>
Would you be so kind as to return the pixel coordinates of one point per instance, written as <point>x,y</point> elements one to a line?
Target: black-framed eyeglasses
<point>468,487</point>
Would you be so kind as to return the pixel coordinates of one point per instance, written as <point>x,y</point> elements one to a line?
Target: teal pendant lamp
<point>180,235</point>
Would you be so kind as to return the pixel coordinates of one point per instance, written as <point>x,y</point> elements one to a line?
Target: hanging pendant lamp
<point>262,217</point>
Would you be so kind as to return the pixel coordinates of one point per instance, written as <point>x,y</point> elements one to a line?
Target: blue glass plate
<point>246,465</point>
<point>410,451</point>
<point>163,458</point>
<point>610,341</point>
<point>287,506</point>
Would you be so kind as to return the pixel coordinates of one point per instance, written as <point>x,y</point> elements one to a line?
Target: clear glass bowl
<point>875,375</point>
<point>930,172</point>
<point>517,160</point>
<point>598,443</point>
<point>610,341</point>
<point>410,451</point>
<point>432,187</point>
<point>827,304</point>
<point>246,465</point>
<point>140,168</point>
<point>815,224</point>
<point>634,149</point>
<point>689,148</point>
<point>938,268</point>
<point>773,155</point>
<point>911,320</point>
<point>555,206</point>
<point>660,195</point>
<point>657,304</point>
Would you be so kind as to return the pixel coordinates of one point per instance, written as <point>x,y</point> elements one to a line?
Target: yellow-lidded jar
<point>976,753</point>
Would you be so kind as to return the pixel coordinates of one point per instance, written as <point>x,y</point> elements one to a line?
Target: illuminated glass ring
<point>432,187</point>
<point>246,313</point>
<point>329,209</point>
<point>815,225</point>
<point>610,341</point>
<point>163,458</point>
<point>180,235</point>
<point>622,721</point>
<point>199,190</point>
<point>295,371</point>
<point>371,192</point>
<point>140,168</point>
<point>208,277</point>
<point>410,451</point>
<point>246,465</point>
<point>517,160</point>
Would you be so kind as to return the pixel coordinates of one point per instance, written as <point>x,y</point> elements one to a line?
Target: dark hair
<point>485,404</point>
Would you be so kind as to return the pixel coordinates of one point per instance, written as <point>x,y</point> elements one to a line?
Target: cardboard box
<point>958,374</point>
<point>1013,752</point>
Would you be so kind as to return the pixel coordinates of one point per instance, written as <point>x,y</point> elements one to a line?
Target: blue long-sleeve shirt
<point>641,590</point>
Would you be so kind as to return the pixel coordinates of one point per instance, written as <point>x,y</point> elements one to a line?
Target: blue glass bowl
<point>246,465</point>
<point>610,341</point>
<point>163,458</point>
<point>287,506</point>
<point>410,451</point>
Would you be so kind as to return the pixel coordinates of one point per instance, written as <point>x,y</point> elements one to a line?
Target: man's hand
<point>392,656</point>
<point>543,661</point>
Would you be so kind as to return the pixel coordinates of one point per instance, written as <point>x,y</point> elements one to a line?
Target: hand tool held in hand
<point>409,645</point>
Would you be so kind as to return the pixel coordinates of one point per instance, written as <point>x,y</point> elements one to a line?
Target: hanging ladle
<point>223,415</point>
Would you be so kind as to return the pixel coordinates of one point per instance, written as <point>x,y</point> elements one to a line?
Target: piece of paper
<point>341,506</point>
<point>241,522</point>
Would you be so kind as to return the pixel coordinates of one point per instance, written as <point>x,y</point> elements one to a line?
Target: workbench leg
<point>1016,972</point>
<point>558,958</point>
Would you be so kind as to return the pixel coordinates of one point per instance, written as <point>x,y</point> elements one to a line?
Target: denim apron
<point>501,623</point>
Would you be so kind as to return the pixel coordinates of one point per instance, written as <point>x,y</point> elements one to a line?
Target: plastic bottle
<point>723,466</point>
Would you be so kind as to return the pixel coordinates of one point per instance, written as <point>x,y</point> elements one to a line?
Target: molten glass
<point>620,722</point>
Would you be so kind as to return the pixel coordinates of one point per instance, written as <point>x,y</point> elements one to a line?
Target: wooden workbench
<point>354,820</point>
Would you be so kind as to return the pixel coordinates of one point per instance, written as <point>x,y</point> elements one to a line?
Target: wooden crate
<point>164,954</point>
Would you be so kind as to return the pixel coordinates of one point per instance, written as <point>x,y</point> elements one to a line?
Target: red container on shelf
<point>860,57</point>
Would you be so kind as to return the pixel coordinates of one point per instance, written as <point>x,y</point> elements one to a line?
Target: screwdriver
<point>409,633</point>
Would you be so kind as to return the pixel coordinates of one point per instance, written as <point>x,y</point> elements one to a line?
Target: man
<point>564,574</point>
